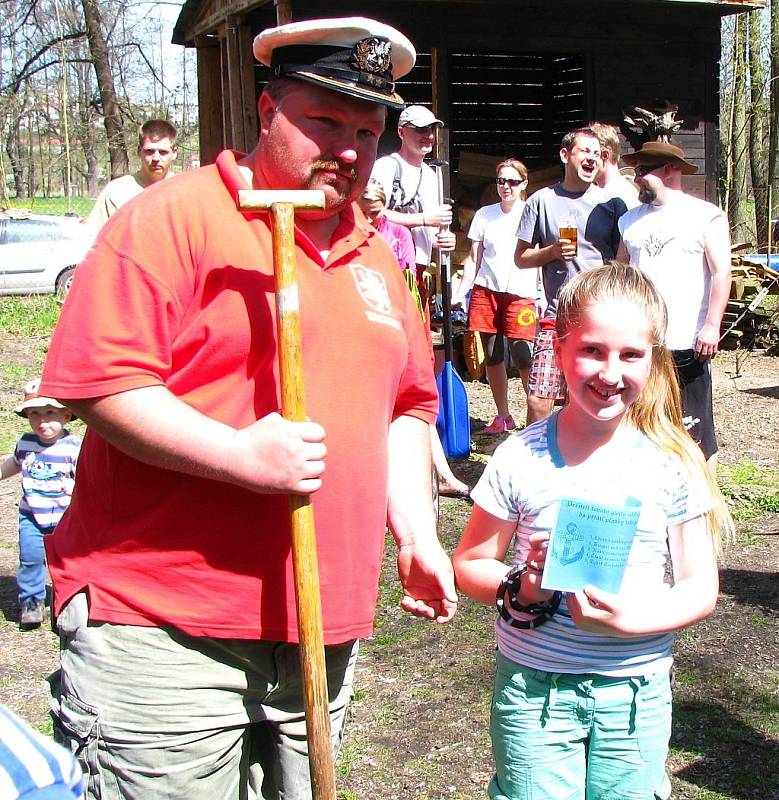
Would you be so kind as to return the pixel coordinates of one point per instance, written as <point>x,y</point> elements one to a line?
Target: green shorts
<point>563,736</point>
<point>154,713</point>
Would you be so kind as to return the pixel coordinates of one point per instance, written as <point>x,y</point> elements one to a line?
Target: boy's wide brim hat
<point>356,56</point>
<point>660,153</point>
<point>34,400</point>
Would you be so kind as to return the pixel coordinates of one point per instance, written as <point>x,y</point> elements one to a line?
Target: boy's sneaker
<point>31,615</point>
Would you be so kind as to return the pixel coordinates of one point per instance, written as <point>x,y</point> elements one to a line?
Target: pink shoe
<point>501,425</point>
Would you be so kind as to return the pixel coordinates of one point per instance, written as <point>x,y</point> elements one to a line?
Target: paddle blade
<point>454,422</point>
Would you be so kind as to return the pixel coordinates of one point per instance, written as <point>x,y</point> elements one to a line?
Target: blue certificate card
<point>589,545</point>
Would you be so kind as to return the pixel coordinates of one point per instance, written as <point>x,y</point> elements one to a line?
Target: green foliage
<point>35,315</point>
<point>751,490</point>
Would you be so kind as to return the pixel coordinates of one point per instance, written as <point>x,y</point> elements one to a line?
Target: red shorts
<point>501,312</point>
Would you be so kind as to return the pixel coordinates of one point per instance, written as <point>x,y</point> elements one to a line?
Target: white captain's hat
<point>352,55</point>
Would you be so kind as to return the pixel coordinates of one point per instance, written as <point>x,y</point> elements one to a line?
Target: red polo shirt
<point>178,291</point>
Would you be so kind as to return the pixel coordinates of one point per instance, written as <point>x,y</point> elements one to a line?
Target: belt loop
<point>551,697</point>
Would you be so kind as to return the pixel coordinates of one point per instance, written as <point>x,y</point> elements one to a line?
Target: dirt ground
<point>418,725</point>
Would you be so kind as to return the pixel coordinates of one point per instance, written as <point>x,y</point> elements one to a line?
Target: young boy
<point>47,460</point>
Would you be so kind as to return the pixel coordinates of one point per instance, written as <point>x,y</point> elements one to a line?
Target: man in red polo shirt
<point>172,570</point>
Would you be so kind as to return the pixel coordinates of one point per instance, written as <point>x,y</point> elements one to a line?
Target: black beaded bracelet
<point>541,612</point>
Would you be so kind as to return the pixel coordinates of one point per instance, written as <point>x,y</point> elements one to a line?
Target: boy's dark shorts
<point>697,405</point>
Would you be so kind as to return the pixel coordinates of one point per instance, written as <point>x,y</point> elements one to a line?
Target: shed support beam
<point>439,57</point>
<point>283,11</point>
<point>238,79</point>
<point>211,128</point>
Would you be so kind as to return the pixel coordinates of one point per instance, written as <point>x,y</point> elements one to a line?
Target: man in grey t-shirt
<point>575,202</point>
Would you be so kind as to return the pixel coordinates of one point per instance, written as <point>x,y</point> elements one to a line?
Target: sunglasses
<point>509,181</point>
<point>645,169</point>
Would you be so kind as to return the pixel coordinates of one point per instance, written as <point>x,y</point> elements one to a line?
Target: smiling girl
<point>582,699</point>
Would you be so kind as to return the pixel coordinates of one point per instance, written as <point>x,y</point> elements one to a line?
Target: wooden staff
<point>282,206</point>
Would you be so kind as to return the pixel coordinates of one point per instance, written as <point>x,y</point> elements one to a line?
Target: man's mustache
<point>335,166</point>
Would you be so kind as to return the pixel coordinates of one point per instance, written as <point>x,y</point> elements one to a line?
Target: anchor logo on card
<point>569,547</point>
<point>372,288</point>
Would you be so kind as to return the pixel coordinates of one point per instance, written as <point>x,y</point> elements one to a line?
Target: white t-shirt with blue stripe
<point>48,472</point>
<point>525,481</point>
<point>33,766</point>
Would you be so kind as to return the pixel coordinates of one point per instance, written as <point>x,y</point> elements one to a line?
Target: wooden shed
<point>508,77</point>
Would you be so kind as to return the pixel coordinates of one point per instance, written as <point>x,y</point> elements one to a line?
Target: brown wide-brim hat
<point>34,400</point>
<point>356,56</point>
<point>660,153</point>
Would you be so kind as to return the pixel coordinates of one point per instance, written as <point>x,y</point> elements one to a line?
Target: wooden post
<point>209,97</point>
<point>234,91</point>
<point>283,11</point>
<point>439,58</point>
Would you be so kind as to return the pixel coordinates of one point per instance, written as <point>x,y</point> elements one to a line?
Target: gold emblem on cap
<point>372,55</point>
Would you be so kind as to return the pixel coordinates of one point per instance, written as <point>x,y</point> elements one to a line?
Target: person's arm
<point>9,467</point>
<point>470,270</point>
<point>436,217</point>
<point>153,426</point>
<point>527,256</point>
<point>692,597</point>
<point>479,559</point>
<point>716,245</point>
<point>622,253</point>
<point>423,567</point>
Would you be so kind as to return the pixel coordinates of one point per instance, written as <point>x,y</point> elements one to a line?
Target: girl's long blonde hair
<point>657,411</point>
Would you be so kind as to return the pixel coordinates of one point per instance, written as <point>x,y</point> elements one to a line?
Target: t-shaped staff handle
<point>282,206</point>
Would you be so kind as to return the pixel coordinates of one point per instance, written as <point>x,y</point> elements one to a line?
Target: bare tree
<point>773,127</point>
<point>112,116</point>
<point>66,65</point>
<point>741,220</point>
<point>758,128</point>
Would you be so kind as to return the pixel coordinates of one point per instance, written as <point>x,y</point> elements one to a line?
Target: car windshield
<point>37,230</point>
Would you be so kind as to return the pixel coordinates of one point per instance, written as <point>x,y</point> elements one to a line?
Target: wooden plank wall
<point>623,54</point>
<point>523,72</point>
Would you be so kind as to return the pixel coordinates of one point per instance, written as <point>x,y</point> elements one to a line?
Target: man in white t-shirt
<point>414,201</point>
<point>411,186</point>
<point>683,244</point>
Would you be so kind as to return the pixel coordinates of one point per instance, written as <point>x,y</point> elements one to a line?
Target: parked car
<point>39,252</point>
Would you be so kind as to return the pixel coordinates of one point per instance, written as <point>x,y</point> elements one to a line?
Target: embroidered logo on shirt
<point>654,245</point>
<point>373,290</point>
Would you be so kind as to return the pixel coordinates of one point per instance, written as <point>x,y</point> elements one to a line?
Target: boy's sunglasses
<point>509,181</point>
<point>644,169</point>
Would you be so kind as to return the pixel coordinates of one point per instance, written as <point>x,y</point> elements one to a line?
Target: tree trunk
<point>773,148</point>
<point>741,220</point>
<point>87,133</point>
<point>117,149</point>
<point>15,157</point>
<point>726,111</point>
<point>758,150</point>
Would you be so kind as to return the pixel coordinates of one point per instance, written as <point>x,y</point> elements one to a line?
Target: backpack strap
<point>398,196</point>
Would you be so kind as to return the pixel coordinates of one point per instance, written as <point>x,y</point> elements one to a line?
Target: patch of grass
<point>347,756</point>
<point>55,205</point>
<point>46,727</point>
<point>35,315</point>
<point>749,489</point>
